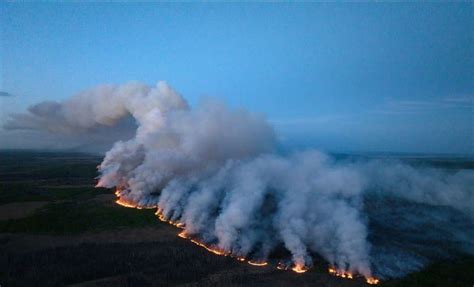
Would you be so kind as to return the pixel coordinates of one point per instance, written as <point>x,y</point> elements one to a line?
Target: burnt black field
<point>56,229</point>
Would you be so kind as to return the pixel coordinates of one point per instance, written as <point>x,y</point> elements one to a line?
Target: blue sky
<point>340,77</point>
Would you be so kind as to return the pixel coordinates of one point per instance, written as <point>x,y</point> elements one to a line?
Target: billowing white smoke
<point>213,169</point>
<point>102,106</point>
<point>249,207</point>
<point>91,120</point>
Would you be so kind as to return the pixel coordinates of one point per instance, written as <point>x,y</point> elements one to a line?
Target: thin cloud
<point>307,121</point>
<point>422,106</point>
<point>6,94</point>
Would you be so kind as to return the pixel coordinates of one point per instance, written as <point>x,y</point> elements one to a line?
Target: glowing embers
<point>162,217</point>
<point>257,263</point>
<point>296,267</point>
<point>125,203</point>
<point>349,275</point>
<point>221,252</point>
<point>299,268</point>
<point>340,273</point>
<point>183,235</point>
<point>131,204</point>
<point>372,280</point>
<point>128,203</point>
<point>215,250</point>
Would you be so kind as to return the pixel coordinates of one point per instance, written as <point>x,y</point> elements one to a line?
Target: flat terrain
<point>56,229</point>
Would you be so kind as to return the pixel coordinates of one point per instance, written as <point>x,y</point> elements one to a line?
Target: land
<point>57,229</point>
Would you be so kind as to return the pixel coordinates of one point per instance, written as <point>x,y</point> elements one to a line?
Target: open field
<point>56,229</point>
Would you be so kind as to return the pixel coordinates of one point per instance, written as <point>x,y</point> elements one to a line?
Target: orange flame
<point>125,203</point>
<point>128,203</point>
<point>349,275</point>
<point>257,263</point>
<point>340,273</point>
<point>299,268</point>
<point>183,235</point>
<point>162,217</point>
<point>372,280</point>
<point>214,250</point>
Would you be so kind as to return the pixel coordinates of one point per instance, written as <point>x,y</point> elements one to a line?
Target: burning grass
<point>298,268</point>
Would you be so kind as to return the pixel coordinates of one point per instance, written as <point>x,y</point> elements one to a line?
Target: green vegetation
<point>20,191</point>
<point>73,218</point>
<point>60,167</point>
<point>28,176</point>
<point>28,191</point>
<point>66,181</point>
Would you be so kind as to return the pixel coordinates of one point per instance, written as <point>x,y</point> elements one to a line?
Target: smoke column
<point>213,170</point>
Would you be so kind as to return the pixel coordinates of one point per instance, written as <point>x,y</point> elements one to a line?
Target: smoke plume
<point>214,170</point>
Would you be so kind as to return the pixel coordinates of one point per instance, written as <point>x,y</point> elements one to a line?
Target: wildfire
<point>340,273</point>
<point>128,203</point>
<point>219,251</point>
<point>372,280</point>
<point>281,266</point>
<point>125,203</point>
<point>183,235</point>
<point>214,250</point>
<point>299,268</point>
<point>162,217</point>
<point>257,263</point>
<point>349,275</point>
<point>345,274</point>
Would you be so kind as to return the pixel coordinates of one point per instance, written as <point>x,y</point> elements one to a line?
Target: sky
<point>344,77</point>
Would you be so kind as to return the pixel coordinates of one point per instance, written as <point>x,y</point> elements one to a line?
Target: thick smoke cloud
<point>102,106</point>
<point>91,119</point>
<point>213,169</point>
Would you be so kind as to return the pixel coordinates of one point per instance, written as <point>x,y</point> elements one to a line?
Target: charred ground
<point>56,229</point>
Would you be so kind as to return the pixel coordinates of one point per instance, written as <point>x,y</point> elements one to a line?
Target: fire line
<point>298,268</point>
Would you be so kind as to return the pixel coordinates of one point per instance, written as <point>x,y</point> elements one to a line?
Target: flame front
<point>125,203</point>
<point>298,268</point>
<point>372,280</point>
<point>340,273</point>
<point>257,263</point>
<point>349,275</point>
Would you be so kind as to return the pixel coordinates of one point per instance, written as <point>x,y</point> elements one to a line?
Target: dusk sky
<point>387,77</point>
